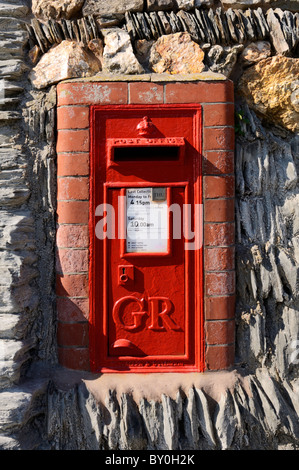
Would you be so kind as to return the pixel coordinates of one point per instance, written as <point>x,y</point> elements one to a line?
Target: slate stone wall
<point>253,406</point>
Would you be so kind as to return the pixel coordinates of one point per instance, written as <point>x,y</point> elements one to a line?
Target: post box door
<point>146,286</point>
<point>145,278</point>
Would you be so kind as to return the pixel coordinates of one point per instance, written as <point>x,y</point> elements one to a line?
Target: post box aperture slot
<point>145,150</point>
<point>147,221</point>
<point>145,154</point>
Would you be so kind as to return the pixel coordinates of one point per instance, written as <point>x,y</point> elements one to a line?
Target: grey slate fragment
<point>240,27</point>
<point>154,31</point>
<point>40,37</point>
<point>171,23</point>
<point>175,21</point>
<point>230,22</point>
<point>32,37</point>
<point>289,29</point>
<point>214,26</point>
<point>65,29</point>
<point>155,5</point>
<point>165,23</point>
<point>208,31</point>
<point>202,25</point>
<point>70,29</point>
<point>250,17</point>
<point>156,22</point>
<point>47,33</point>
<point>276,34</point>
<point>76,30</point>
<point>222,25</point>
<point>199,28</point>
<point>56,31</point>
<point>260,24</point>
<point>143,26</point>
<point>248,25</point>
<point>190,25</point>
<point>130,25</point>
<point>94,27</point>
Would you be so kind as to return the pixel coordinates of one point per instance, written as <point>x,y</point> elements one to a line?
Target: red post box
<point>147,257</point>
<point>136,164</point>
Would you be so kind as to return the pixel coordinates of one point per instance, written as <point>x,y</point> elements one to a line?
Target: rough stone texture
<point>255,52</point>
<point>153,5</point>
<point>268,87</point>
<point>276,34</point>
<point>267,248</point>
<point>66,60</point>
<point>176,53</point>
<point>57,8</point>
<point>118,55</point>
<point>286,5</point>
<point>221,411</point>
<point>223,59</point>
<point>102,7</point>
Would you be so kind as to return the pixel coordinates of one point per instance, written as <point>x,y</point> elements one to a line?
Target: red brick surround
<point>74,99</point>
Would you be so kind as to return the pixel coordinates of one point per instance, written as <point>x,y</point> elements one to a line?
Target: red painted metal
<point>146,307</point>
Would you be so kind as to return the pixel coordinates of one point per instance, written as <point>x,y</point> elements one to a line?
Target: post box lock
<point>125,274</point>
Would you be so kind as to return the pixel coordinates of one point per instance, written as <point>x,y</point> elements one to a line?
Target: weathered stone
<point>165,23</point>
<point>102,7</point>
<point>94,27</point>
<point>268,87</point>
<point>203,3</point>
<point>210,32</point>
<point>260,18</point>
<point>56,8</point>
<point>241,3</point>
<point>295,95</point>
<point>191,26</point>
<point>185,4</point>
<point>177,25</point>
<point>213,25</point>
<point>288,26</point>
<point>251,23</point>
<point>143,49</point>
<point>137,26</point>
<point>230,16</point>
<point>40,36</point>
<point>56,31</point>
<point>240,27</point>
<point>107,21</point>
<point>97,48</point>
<point>223,59</point>
<point>202,26</point>
<point>13,10</point>
<point>176,53</point>
<point>276,34</point>
<point>220,20</point>
<point>130,24</point>
<point>155,5</point>
<point>247,25</point>
<point>156,23</point>
<point>12,68</point>
<point>66,60</point>
<point>255,52</point>
<point>142,26</point>
<point>118,56</point>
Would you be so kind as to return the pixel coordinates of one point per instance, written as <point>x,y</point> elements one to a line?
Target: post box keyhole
<point>123,276</point>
